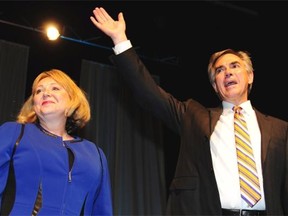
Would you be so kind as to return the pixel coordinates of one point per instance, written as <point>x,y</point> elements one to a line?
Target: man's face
<point>232,79</point>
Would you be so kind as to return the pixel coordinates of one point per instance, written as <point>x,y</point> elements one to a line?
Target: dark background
<point>174,38</point>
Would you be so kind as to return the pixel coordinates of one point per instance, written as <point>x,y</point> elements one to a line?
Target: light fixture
<point>52,33</point>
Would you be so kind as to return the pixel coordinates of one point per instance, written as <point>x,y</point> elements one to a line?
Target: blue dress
<point>42,161</point>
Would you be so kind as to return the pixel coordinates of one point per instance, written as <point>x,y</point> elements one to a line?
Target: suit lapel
<point>265,130</point>
<point>214,117</point>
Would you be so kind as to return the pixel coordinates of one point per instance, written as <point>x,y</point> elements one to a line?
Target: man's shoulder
<point>270,118</point>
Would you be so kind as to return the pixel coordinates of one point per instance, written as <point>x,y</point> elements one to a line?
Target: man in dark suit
<point>206,180</point>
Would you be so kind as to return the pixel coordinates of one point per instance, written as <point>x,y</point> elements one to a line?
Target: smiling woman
<point>63,165</point>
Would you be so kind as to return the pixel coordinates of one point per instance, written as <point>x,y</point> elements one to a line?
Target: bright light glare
<point>52,33</point>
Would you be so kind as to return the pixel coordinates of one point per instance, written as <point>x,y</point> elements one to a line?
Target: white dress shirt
<point>223,150</point>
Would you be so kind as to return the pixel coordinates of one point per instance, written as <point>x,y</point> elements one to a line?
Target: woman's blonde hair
<point>78,109</point>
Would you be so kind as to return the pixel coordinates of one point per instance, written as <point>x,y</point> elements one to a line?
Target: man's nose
<point>228,73</point>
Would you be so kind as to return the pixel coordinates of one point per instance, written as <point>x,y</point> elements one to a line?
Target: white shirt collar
<point>246,106</point>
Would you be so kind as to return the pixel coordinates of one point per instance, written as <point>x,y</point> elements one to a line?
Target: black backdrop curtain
<point>13,72</point>
<point>131,139</point>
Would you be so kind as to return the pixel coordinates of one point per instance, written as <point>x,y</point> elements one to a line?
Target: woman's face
<point>50,100</point>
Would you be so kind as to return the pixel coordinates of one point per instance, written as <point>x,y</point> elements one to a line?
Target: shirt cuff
<point>121,47</point>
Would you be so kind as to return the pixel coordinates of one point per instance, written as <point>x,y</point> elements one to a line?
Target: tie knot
<point>237,109</point>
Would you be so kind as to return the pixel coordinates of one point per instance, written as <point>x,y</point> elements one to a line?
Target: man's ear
<point>250,77</point>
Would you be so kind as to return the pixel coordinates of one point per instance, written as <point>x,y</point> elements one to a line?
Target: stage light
<point>52,33</point>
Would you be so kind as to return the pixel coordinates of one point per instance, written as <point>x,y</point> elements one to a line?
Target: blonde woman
<point>55,173</point>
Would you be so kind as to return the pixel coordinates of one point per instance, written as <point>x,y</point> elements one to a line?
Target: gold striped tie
<point>249,182</point>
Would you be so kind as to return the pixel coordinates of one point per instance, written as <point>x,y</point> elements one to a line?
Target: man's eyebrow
<point>234,62</point>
